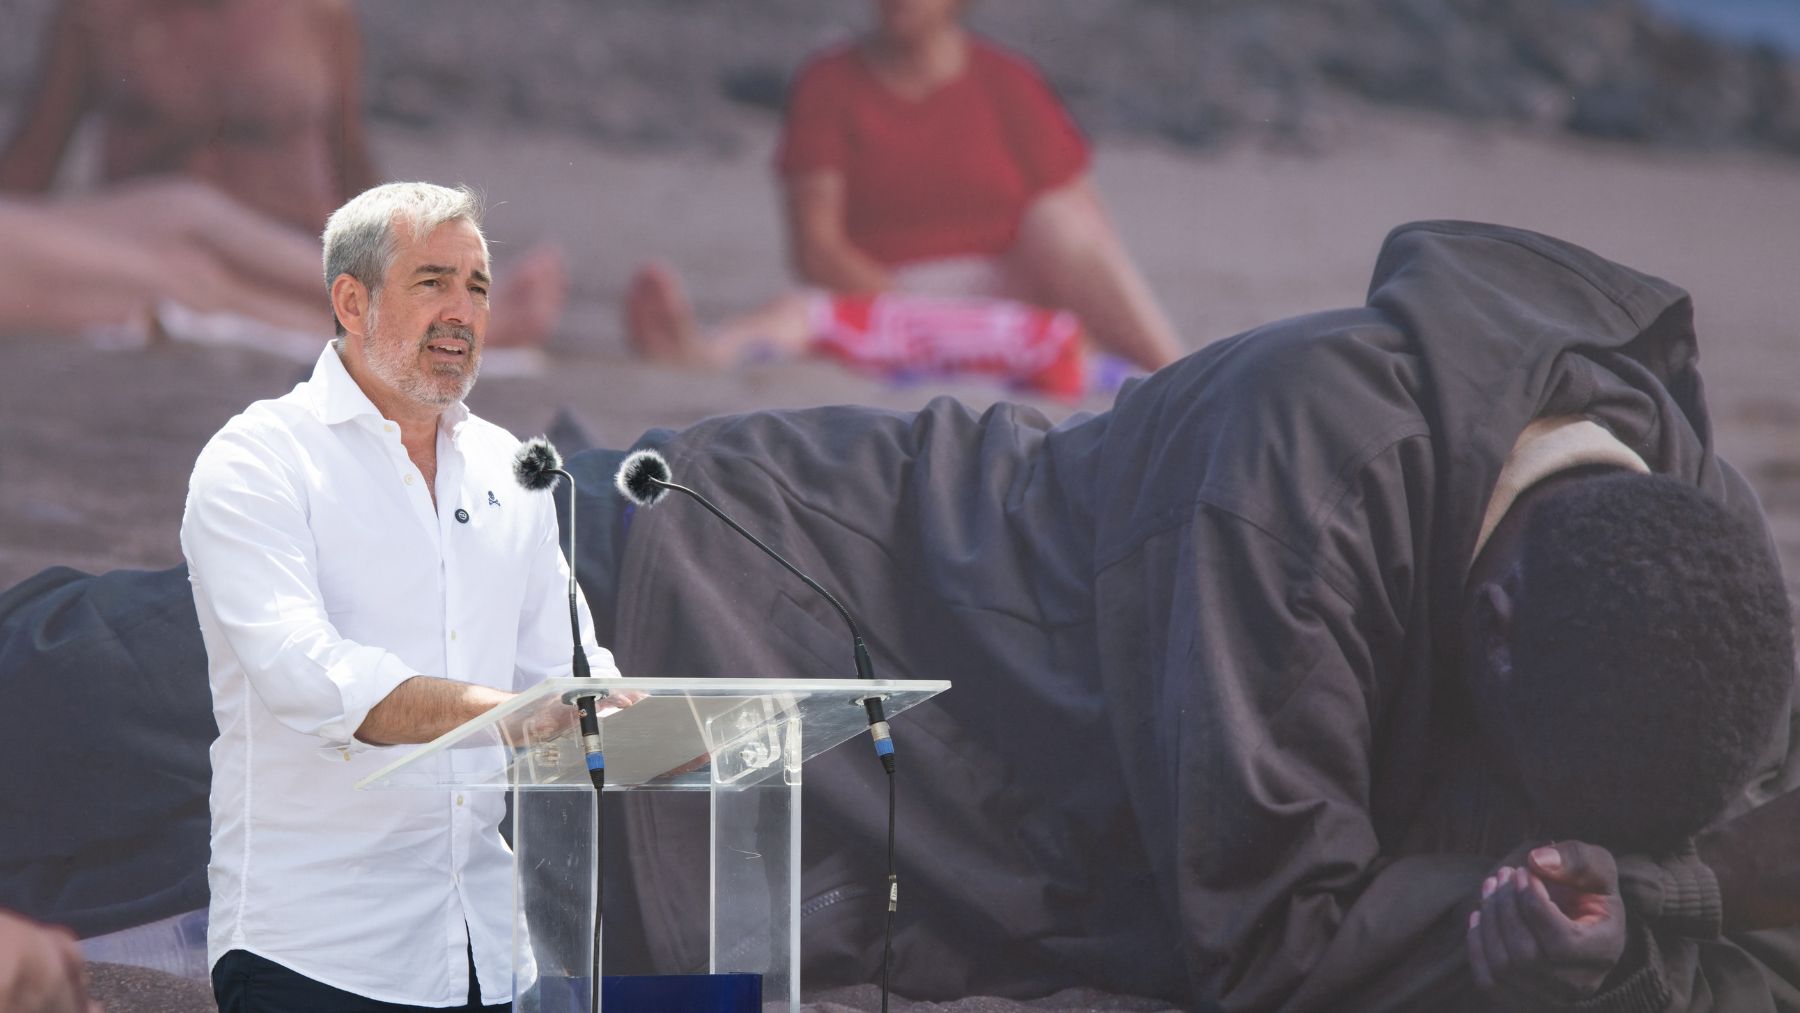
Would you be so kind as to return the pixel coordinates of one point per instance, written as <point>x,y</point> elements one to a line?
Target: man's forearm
<point>423,708</point>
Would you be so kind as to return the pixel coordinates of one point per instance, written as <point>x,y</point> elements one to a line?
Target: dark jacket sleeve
<point>1252,681</point>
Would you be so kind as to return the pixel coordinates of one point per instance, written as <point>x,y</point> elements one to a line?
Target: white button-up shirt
<point>324,577</point>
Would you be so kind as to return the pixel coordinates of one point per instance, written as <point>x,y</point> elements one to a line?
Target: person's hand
<point>551,720</point>
<point>41,970</point>
<point>617,700</point>
<point>1552,931</point>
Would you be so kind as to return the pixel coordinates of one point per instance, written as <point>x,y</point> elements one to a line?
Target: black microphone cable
<point>643,478</point>
<point>537,466</point>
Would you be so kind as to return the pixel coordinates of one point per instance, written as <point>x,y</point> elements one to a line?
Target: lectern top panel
<point>657,733</point>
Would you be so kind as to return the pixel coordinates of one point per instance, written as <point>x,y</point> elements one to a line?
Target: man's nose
<point>459,308</point>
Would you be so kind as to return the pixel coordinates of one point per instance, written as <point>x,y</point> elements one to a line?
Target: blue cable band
<point>884,747</point>
<point>596,761</point>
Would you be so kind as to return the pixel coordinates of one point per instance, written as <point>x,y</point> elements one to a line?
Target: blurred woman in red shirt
<point>939,209</point>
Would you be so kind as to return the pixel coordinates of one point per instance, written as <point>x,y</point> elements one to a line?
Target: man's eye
<point>478,290</point>
<point>429,283</point>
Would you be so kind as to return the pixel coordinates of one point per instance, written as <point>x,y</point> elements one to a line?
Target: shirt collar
<point>1546,447</point>
<point>336,396</point>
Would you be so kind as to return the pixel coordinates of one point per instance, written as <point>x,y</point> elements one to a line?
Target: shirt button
<point>452,634</point>
<point>387,427</point>
<point>408,479</point>
<point>459,800</point>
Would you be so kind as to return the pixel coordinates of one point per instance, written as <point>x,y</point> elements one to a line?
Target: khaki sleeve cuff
<point>1676,894</point>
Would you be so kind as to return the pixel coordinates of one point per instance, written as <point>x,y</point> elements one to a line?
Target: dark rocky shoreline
<point>1199,73</point>
<point>670,74</point>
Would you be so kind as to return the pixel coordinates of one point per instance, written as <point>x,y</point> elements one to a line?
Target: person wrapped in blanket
<point>1416,656</point>
<point>940,216</point>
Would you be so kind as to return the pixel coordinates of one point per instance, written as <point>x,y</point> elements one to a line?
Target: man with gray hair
<point>366,574</point>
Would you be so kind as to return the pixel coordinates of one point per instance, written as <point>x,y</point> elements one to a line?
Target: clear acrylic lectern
<point>744,741</point>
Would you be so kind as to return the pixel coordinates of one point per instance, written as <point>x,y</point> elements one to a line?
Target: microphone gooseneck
<point>643,478</point>
<point>537,466</point>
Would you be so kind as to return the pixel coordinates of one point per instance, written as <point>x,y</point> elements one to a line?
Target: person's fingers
<point>1478,962</point>
<point>1554,931</point>
<point>619,699</point>
<point>74,971</point>
<point>37,973</point>
<point>1580,866</point>
<point>1521,944</point>
<point>56,980</point>
<point>1492,941</point>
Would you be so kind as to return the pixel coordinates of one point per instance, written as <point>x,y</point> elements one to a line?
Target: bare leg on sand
<point>659,322</point>
<point>528,299</point>
<point>1067,257</point>
<point>1070,257</point>
<point>66,274</point>
<point>173,256</point>
<point>178,211</point>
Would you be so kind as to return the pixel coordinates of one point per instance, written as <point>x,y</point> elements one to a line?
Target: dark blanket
<point>107,723</point>
<point>1206,739</point>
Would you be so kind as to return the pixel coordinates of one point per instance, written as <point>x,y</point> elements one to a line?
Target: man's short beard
<point>466,380</point>
<point>397,367</point>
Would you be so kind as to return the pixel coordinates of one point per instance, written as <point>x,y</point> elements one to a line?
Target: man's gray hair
<point>359,237</point>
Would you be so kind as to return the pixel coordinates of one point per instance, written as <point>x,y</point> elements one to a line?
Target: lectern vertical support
<point>755,829</point>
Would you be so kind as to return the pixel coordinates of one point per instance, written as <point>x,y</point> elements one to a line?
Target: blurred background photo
<point>698,207</point>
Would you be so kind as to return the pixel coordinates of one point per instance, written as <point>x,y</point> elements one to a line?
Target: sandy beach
<point>99,442</point>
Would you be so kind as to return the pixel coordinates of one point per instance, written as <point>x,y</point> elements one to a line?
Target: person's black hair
<point>1652,658</point>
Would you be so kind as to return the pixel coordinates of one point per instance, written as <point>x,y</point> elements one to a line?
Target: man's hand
<point>41,969</point>
<point>554,719</point>
<point>1551,932</point>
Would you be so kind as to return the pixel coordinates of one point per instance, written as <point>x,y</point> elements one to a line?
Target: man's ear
<point>350,302</point>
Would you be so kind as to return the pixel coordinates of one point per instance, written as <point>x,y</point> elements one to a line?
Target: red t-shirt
<point>948,175</point>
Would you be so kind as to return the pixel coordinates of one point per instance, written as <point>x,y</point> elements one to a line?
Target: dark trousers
<point>246,983</point>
